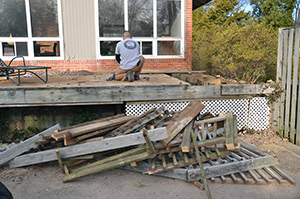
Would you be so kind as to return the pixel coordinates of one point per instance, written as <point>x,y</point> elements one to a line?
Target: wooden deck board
<point>94,89</point>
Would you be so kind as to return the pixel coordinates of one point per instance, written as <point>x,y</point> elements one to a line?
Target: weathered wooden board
<point>25,146</point>
<point>254,89</point>
<point>186,139</point>
<point>104,94</point>
<point>81,130</point>
<point>15,96</point>
<point>107,166</point>
<point>97,126</point>
<point>288,85</point>
<point>276,104</point>
<point>183,119</point>
<point>283,77</point>
<point>88,148</point>
<point>294,86</point>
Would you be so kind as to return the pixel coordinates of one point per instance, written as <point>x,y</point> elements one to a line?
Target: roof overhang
<point>199,3</point>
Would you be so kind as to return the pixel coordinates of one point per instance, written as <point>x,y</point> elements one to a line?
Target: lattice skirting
<point>251,113</point>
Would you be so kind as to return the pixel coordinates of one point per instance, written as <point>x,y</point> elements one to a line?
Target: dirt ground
<point>44,181</point>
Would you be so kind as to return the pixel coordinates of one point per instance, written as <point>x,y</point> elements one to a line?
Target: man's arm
<point>118,58</point>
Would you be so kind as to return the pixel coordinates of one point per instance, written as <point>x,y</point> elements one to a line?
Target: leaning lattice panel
<point>251,113</point>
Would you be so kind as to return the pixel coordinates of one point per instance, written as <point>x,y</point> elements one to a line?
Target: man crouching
<point>127,55</point>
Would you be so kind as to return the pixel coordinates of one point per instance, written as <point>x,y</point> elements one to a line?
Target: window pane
<point>44,20</point>
<point>140,18</point>
<point>108,48</point>
<point>46,48</point>
<point>8,49</point>
<point>21,48</point>
<point>111,18</point>
<point>147,48</point>
<point>169,48</point>
<point>13,18</point>
<point>168,18</point>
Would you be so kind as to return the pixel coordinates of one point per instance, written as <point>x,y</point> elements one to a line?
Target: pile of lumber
<point>183,145</point>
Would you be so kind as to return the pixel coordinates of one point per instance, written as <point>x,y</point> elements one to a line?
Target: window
<point>158,26</point>
<point>111,18</point>
<point>30,28</point>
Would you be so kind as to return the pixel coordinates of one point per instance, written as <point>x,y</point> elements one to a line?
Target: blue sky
<point>248,8</point>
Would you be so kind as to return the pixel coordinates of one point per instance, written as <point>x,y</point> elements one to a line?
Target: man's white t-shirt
<point>129,50</point>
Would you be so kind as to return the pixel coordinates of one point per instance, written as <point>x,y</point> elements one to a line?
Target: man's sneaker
<point>136,77</point>
<point>130,76</point>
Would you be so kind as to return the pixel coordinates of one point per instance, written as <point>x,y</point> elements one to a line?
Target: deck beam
<point>39,96</point>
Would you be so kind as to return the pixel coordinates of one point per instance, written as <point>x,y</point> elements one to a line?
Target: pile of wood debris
<point>179,145</point>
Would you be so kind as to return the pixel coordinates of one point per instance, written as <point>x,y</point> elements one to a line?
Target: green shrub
<point>237,52</point>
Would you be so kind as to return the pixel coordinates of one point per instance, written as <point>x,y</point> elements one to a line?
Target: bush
<point>18,135</point>
<point>237,52</point>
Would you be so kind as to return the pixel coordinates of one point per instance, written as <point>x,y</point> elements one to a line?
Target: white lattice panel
<point>238,107</point>
<point>259,114</point>
<point>252,113</point>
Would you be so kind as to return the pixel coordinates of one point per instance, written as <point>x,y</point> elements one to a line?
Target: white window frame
<point>29,39</point>
<point>154,39</point>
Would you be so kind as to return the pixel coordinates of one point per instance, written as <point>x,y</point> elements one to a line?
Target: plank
<point>295,83</point>
<point>230,132</point>
<point>211,120</point>
<point>252,148</point>
<point>283,83</point>
<point>276,105</point>
<point>107,166</point>
<point>127,153</point>
<point>94,121</point>
<point>81,130</point>
<point>25,146</point>
<point>88,148</point>
<point>140,124</point>
<point>186,139</point>
<point>109,94</point>
<point>60,162</point>
<point>199,161</point>
<point>183,119</point>
<point>247,89</point>
<point>48,135</point>
<point>96,133</point>
<point>283,174</point>
<point>94,127</point>
<point>130,123</point>
<point>288,85</point>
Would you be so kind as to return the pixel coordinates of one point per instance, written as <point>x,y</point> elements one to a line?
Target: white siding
<point>79,29</point>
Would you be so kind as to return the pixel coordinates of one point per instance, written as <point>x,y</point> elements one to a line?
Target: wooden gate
<point>287,109</point>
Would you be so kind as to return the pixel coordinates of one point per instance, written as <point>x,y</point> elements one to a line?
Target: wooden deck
<point>87,89</point>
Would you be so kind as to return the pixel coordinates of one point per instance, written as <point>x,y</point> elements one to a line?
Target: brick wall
<point>110,65</point>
